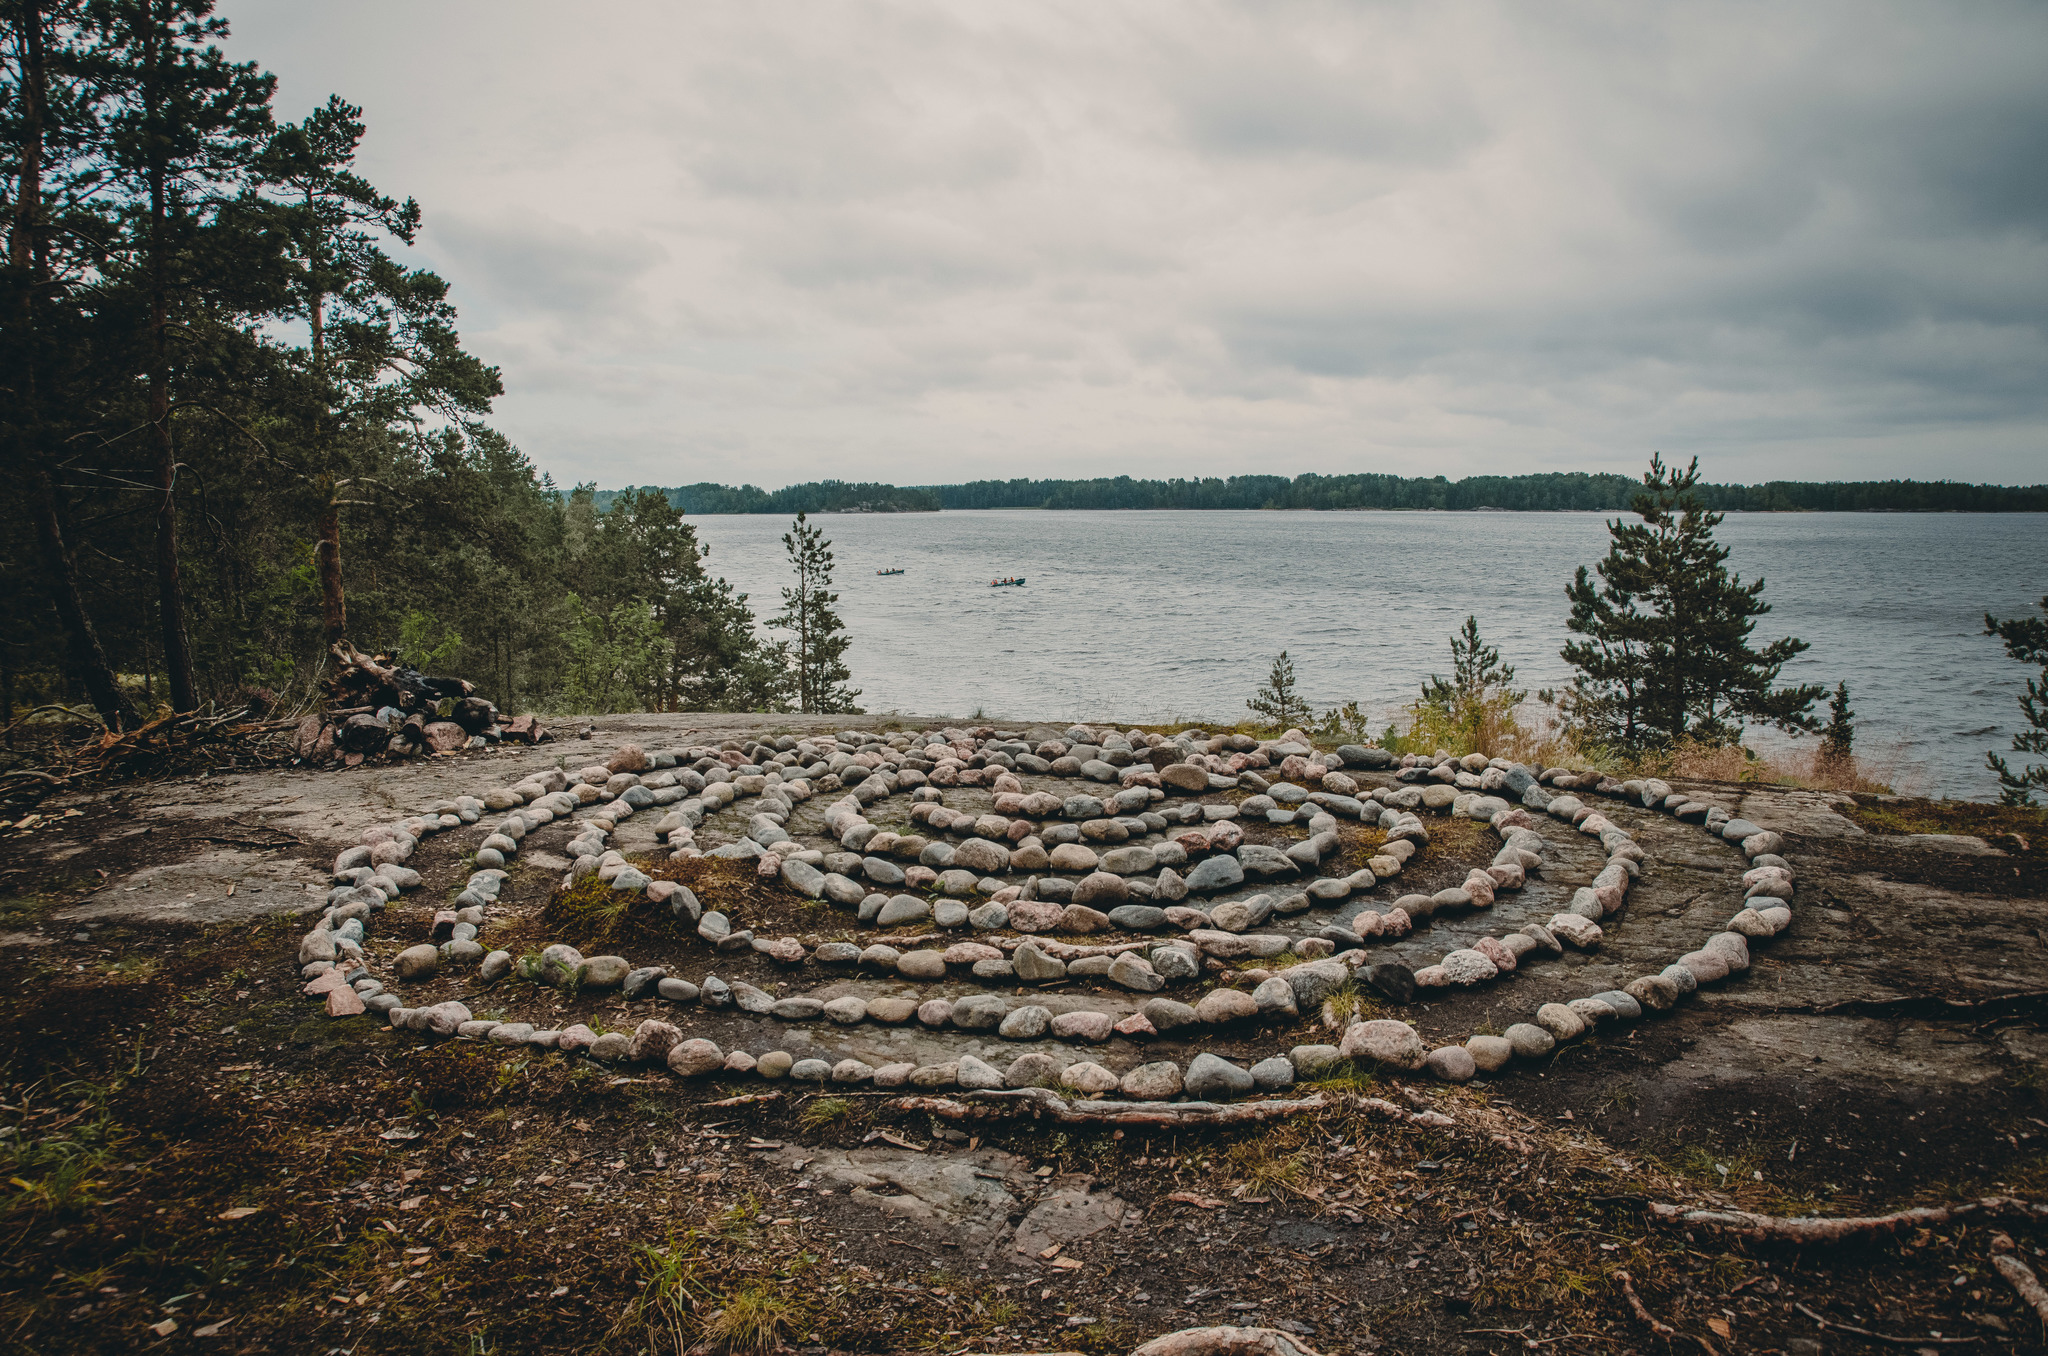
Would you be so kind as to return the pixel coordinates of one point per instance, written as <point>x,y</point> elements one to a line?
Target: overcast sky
<point>933,242</point>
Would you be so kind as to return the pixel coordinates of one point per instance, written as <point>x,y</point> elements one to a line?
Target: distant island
<point>1551,491</point>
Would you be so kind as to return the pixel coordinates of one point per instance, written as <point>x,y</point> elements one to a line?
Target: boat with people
<point>895,571</point>
<point>1013,583</point>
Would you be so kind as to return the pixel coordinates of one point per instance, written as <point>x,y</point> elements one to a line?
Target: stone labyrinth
<point>1146,883</point>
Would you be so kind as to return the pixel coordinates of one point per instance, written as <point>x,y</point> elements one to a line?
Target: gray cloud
<point>778,241</point>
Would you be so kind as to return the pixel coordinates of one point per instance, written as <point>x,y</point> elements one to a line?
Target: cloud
<point>875,239</point>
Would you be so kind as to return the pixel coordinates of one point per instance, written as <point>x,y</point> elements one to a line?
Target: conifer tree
<point>1666,657</point>
<point>1838,737</point>
<point>2026,639</point>
<point>819,641</point>
<point>180,126</point>
<point>1479,692</point>
<point>1277,703</point>
<point>382,351</point>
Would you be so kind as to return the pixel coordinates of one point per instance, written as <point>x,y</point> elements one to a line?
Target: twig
<point>1808,1229</point>
<point>1635,1303</point>
<point>746,1098</point>
<point>1884,1337</point>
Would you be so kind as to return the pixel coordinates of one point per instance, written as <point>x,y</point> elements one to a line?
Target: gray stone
<point>1082,1026</point>
<point>1530,1041</point>
<point>810,1071</point>
<point>1025,1023</point>
<point>1033,1070</point>
<point>1220,872</point>
<point>1133,973</point>
<point>416,962</point>
<point>976,1074</point>
<point>979,1012</point>
<point>1315,981</point>
<point>1489,1053</point>
<point>1313,1061</point>
<point>922,964</point>
<point>1138,917</point>
<point>1259,860</point>
<point>676,990</point>
<point>1451,1063</point>
<point>1385,1042</point>
<point>1166,1014</point>
<point>1273,1074</point>
<point>1152,1082</point>
<point>1275,997</point>
<point>603,972</point>
<point>1212,1078</point>
<point>901,910</point>
<point>1035,967</point>
<point>695,1058</point>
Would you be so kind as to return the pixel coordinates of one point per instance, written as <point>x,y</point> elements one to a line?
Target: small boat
<point>896,571</point>
<point>1016,583</point>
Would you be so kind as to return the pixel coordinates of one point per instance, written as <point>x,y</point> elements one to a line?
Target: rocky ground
<point>199,1156</point>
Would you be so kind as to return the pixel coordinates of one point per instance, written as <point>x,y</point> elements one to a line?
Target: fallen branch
<point>993,1104</point>
<point>1886,1338</point>
<point>747,1099</point>
<point>1809,1229</point>
<point>2020,1276</point>
<point>1635,1303</point>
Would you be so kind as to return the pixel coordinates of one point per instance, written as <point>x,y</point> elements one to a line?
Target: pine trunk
<point>88,659</point>
<point>327,565</point>
<point>170,586</point>
<point>27,256</point>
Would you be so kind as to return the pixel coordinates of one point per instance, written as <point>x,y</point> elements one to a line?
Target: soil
<point>192,1144</point>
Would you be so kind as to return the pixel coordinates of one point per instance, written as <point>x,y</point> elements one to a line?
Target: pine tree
<point>1838,737</point>
<point>819,645</point>
<point>1478,694</point>
<point>1277,704</point>
<point>1667,657</point>
<point>382,351</point>
<point>180,128</point>
<point>2026,639</point>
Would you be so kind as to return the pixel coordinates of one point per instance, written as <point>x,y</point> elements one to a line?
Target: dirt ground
<point>197,1157</point>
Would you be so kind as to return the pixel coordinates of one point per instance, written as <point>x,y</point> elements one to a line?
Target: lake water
<point>1162,616</point>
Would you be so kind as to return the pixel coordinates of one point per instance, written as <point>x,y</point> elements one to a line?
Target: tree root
<point>1811,1229</point>
<point>1635,1304</point>
<point>1884,1337</point>
<point>2020,1276</point>
<point>993,1104</point>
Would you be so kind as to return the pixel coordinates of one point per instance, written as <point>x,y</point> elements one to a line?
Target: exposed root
<point>995,1104</point>
<point>1886,1338</point>
<point>1810,1229</point>
<point>2019,1276</point>
<point>1635,1304</point>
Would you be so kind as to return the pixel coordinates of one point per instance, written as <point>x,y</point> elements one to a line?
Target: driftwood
<point>1811,1229</point>
<point>2019,1276</point>
<point>993,1104</point>
<point>1885,1337</point>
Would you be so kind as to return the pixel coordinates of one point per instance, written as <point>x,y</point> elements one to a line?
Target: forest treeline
<point>813,496</point>
<point>237,426</point>
<point>1547,491</point>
